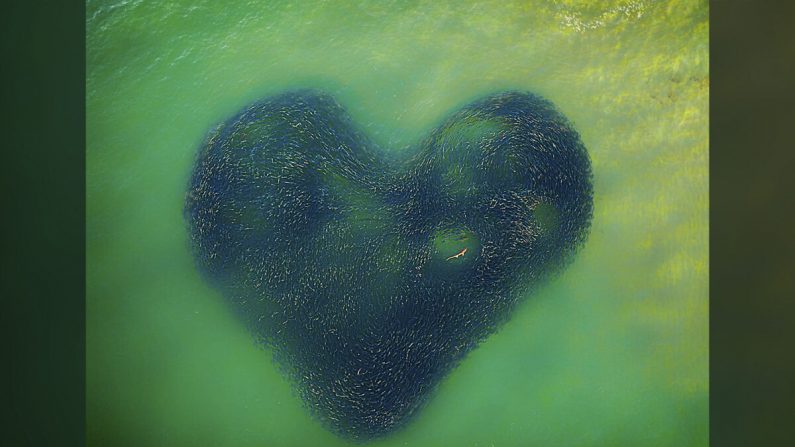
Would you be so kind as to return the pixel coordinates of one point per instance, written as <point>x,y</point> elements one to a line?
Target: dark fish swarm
<point>371,278</point>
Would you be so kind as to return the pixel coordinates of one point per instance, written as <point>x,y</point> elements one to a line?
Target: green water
<point>613,352</point>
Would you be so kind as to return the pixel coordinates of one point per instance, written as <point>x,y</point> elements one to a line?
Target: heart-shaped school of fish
<point>370,278</point>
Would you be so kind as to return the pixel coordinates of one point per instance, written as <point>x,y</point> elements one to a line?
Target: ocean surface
<point>614,351</point>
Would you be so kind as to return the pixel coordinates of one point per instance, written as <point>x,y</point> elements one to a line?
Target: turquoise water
<point>612,352</point>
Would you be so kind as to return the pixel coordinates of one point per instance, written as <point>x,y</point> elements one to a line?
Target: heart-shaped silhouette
<point>371,278</point>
